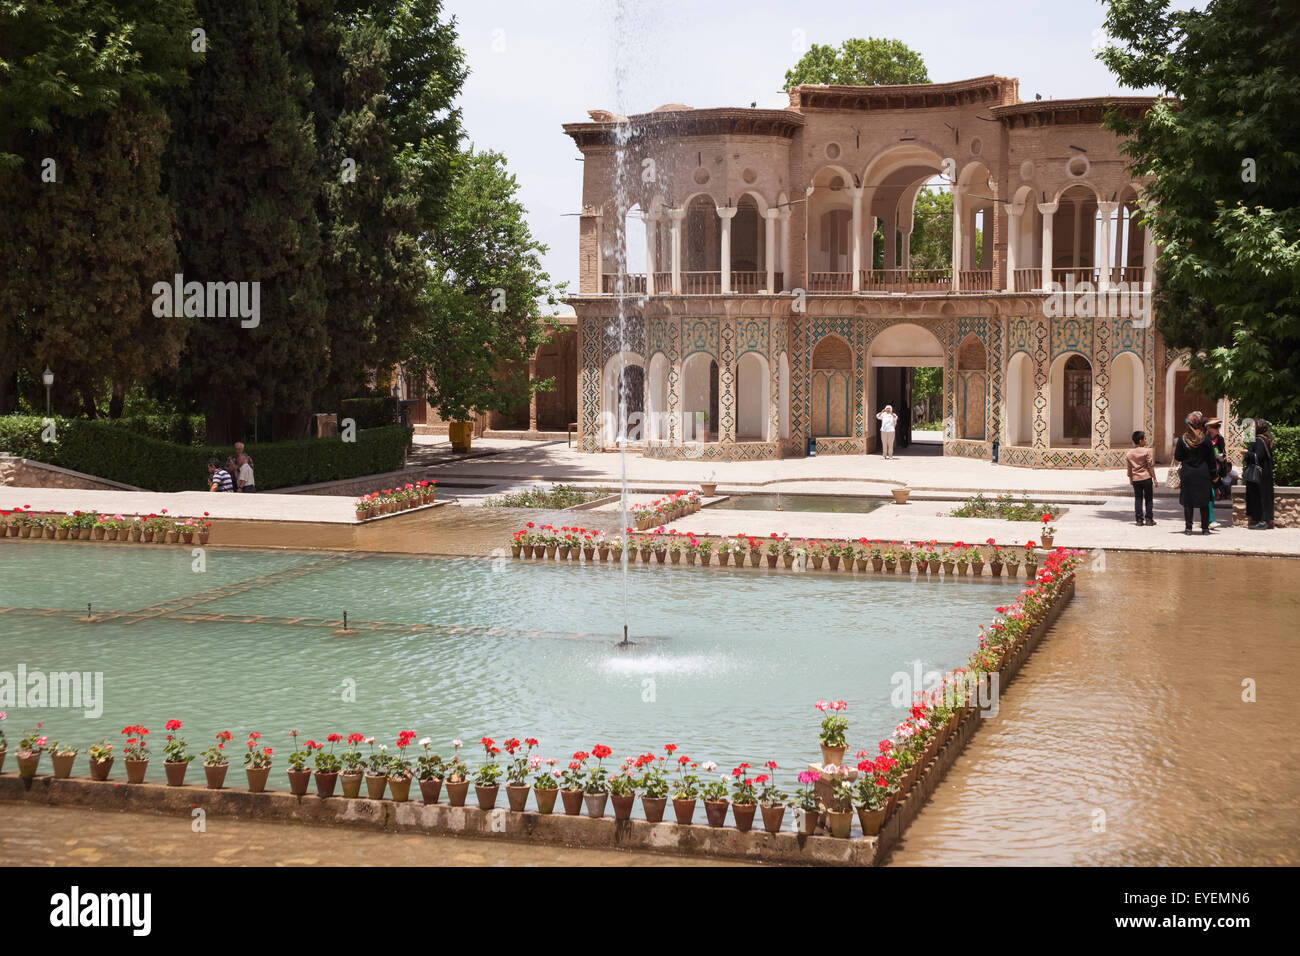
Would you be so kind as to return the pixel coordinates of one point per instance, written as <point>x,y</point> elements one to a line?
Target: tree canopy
<point>1222,155</point>
<point>858,62</point>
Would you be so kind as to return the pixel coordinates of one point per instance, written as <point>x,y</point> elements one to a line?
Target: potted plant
<point>724,552</point>
<point>995,558</point>
<point>572,783</point>
<point>216,762</point>
<point>517,768</point>
<point>832,732</point>
<point>176,755</point>
<point>429,770</point>
<point>976,561</point>
<point>488,775</point>
<point>709,486</point>
<point>622,789</point>
<point>588,546</point>
<point>595,792</point>
<point>905,557</point>
<point>744,797</point>
<point>654,785</point>
<point>890,558</point>
<point>257,763</point>
<point>327,764</point>
<point>833,554</point>
<point>456,777</point>
<point>1013,562</point>
<point>63,757</point>
<point>704,548</point>
<point>136,753</point>
<point>352,766</point>
<point>299,775</point>
<point>376,770</point>
<point>101,759</point>
<point>900,495</point>
<point>1031,561</point>
<point>755,552</point>
<point>839,815</point>
<point>1048,534</point>
<point>770,799</point>
<point>806,800</point>
<point>400,769</point>
<point>546,782</point>
<point>685,791</point>
<point>715,797</point>
<point>676,547</point>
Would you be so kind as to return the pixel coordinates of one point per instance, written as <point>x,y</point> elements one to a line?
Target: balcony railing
<point>1076,275</point>
<point>830,282</point>
<point>749,283</point>
<point>906,280</point>
<point>633,283</point>
<point>1133,275</point>
<point>701,283</point>
<point>1027,280</point>
<point>663,283</point>
<point>975,280</point>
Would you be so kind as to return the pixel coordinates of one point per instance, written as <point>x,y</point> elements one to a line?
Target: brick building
<point>760,323</point>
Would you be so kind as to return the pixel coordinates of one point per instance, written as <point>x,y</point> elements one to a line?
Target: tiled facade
<point>760,322</point>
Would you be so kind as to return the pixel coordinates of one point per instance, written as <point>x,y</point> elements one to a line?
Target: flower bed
<point>92,526</point>
<point>679,504</point>
<point>538,542</point>
<point>880,779</point>
<point>389,500</point>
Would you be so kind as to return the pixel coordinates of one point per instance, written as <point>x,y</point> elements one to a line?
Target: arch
<point>833,351</point>
<point>1080,184</point>
<point>1020,394</point>
<point>620,379</point>
<point>1127,398</point>
<point>702,239</point>
<point>889,159</point>
<point>748,240</point>
<point>1177,400</point>
<point>760,202</point>
<point>699,396</point>
<point>753,393</point>
<point>1070,400</point>
<point>971,354</point>
<point>784,385</point>
<point>657,398</point>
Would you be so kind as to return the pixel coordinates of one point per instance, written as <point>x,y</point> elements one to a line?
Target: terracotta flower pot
<point>834,561</point>
<point>604,553</point>
<point>203,536</point>
<point>352,784</point>
<point>771,560</point>
<point>595,804</point>
<point>948,568</point>
<point>486,796</point>
<point>588,553</point>
<point>325,784</point>
<point>891,566</point>
<point>872,820</point>
<point>298,781</point>
<point>399,788</point>
<point>833,755</point>
<point>839,822</point>
<point>810,820</point>
<point>457,791</point>
<point>722,558</point>
<point>818,560</point>
<point>708,489</point>
<point>564,553</point>
<point>743,814</point>
<point>376,783</point>
<point>754,558</point>
<point>906,565</point>
<point>900,495</point>
<point>216,775</point>
<point>62,765</point>
<point>517,796</point>
<point>772,817</point>
<point>135,771</point>
<point>653,808</point>
<point>645,555</point>
<point>545,799</point>
<point>623,804</point>
<point>61,534</point>
<point>430,790</point>
<point>684,810</point>
<point>28,762</point>
<point>1013,568</point>
<point>99,769</point>
<point>550,551</point>
<point>515,549</point>
<point>1046,541</point>
<point>877,564</point>
<point>787,560</point>
<point>705,557</point>
<point>257,777</point>
<point>715,811</point>
<point>174,770</point>
<point>996,568</point>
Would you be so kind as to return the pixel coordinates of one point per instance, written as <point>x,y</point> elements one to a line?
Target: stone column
<point>871,242</point>
<point>1013,236</point>
<point>786,277</point>
<point>957,244</point>
<point>1105,210</point>
<point>986,237</point>
<point>907,249</point>
<point>676,216</point>
<point>891,239</point>
<point>1078,232</point>
<point>726,214</point>
<point>1120,261</point>
<point>651,254</point>
<point>769,248</point>
<point>1148,258</point>
<point>1048,210</point>
<point>856,244</point>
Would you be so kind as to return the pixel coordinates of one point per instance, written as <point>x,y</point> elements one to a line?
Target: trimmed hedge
<point>177,429</point>
<point>1286,455</point>
<point>118,453</point>
<point>369,412</point>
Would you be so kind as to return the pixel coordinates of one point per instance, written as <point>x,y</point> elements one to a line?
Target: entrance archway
<point>1071,400</point>
<point>893,360</point>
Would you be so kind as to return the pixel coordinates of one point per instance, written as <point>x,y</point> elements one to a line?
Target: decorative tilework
<point>752,334</point>
<point>727,383</point>
<point>1020,337</point>
<point>700,335</point>
<point>1101,389</point>
<point>715,451</point>
<point>1072,335</point>
<point>673,350</point>
<point>841,446</point>
<point>589,385</point>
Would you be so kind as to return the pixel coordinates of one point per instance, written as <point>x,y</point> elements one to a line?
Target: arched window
<point>1071,400</point>
<point>972,388</point>
<point>832,402</point>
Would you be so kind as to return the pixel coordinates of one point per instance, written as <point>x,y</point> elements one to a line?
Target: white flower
<point>457,743</point>
<point>709,766</point>
<point>383,748</point>
<point>425,742</point>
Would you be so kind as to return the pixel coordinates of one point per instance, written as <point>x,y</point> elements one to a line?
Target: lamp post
<point>48,378</point>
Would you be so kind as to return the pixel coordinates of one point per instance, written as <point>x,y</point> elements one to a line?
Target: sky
<point>536,65</point>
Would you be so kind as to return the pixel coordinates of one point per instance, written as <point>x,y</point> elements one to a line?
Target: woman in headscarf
<point>1258,472</point>
<point>1196,456</point>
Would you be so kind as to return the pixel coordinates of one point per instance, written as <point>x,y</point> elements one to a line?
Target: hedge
<point>1286,455</point>
<point>118,453</point>
<point>178,429</point>
<point>369,412</point>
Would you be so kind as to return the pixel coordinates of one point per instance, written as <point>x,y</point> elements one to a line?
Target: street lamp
<point>48,378</point>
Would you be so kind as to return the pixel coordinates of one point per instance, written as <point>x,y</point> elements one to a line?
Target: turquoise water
<point>727,664</point>
<point>835,504</point>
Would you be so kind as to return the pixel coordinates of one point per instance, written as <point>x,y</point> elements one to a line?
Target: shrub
<point>371,412</point>
<point>1286,455</point>
<point>110,450</point>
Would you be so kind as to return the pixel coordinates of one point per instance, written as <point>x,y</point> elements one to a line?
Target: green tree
<point>243,168</point>
<point>858,62</point>
<point>484,316</point>
<point>1225,183</point>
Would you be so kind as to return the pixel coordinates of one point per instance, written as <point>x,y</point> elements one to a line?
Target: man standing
<point>246,482</point>
<point>1142,476</point>
<point>218,477</point>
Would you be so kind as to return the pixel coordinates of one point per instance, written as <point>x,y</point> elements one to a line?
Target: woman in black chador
<point>1258,472</point>
<point>1196,455</point>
